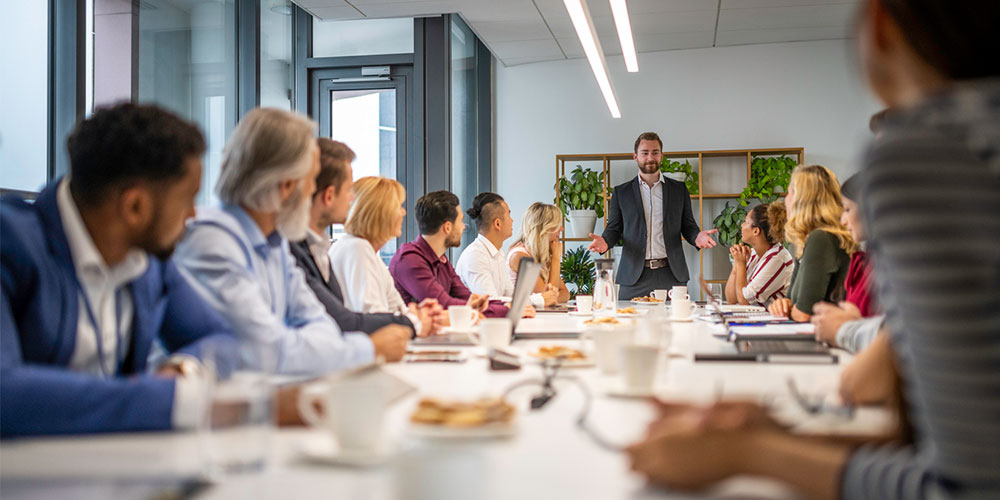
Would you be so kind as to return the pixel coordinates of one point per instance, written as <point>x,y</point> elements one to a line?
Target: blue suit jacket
<point>38,329</point>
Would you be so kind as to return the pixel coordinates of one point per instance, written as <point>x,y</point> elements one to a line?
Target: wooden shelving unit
<point>727,158</point>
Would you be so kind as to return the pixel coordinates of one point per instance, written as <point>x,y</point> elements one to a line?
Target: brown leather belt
<point>655,263</point>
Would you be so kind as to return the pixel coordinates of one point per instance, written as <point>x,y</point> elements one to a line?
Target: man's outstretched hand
<point>704,240</point>
<point>598,245</point>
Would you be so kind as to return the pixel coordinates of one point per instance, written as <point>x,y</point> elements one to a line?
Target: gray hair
<point>268,146</point>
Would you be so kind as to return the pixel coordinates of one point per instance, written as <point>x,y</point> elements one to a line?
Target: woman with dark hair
<point>762,268</point>
<point>931,196</point>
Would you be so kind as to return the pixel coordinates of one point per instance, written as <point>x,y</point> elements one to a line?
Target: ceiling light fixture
<point>580,15</point>
<point>620,11</point>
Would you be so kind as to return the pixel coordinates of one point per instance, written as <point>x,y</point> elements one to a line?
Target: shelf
<point>575,239</point>
<point>718,195</point>
<point>716,281</point>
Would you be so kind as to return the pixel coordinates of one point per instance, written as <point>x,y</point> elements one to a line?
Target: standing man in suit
<point>650,214</point>
<point>329,206</point>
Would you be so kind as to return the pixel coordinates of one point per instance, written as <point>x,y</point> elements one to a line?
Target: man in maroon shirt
<point>420,268</point>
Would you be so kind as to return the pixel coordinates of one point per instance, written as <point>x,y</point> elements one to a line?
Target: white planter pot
<point>582,222</point>
<point>677,176</point>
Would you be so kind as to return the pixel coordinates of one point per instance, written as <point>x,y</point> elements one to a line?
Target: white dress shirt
<point>484,270</point>
<point>103,291</point>
<point>319,248</point>
<point>364,279</point>
<point>652,204</point>
<point>253,282</point>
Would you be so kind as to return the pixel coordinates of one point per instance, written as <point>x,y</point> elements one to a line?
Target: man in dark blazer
<point>649,214</point>
<point>330,205</point>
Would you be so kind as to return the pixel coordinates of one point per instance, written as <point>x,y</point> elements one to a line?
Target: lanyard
<point>97,331</point>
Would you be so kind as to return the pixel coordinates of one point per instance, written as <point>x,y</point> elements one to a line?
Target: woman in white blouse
<point>376,217</point>
<point>763,267</point>
<point>539,240</point>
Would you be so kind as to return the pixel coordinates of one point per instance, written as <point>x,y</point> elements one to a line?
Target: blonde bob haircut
<point>817,206</point>
<point>268,147</point>
<point>376,203</point>
<point>537,223</point>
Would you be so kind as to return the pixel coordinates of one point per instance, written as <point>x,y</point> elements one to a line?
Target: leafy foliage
<point>584,190</point>
<point>578,270</point>
<point>691,176</point>
<point>766,174</point>
<point>728,223</point>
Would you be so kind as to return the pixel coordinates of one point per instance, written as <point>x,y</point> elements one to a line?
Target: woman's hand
<point>556,249</point>
<point>741,254</point>
<point>781,307</point>
<point>550,295</point>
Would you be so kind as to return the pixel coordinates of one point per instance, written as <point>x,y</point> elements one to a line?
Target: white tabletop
<point>549,457</point>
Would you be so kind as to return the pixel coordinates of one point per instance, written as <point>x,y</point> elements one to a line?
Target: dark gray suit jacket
<point>627,222</point>
<point>332,297</point>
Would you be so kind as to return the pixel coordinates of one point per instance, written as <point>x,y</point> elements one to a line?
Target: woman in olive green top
<point>823,246</point>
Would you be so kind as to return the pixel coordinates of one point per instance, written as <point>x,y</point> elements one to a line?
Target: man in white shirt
<point>482,265</point>
<point>238,256</point>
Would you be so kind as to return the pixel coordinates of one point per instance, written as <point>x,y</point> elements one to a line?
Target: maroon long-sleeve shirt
<point>420,274</point>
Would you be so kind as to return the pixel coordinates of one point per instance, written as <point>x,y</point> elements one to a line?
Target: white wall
<point>804,94</point>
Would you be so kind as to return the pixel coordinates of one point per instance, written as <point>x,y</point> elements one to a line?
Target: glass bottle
<point>605,300</point>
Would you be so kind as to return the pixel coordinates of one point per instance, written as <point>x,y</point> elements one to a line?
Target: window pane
<point>187,63</point>
<point>464,166</point>
<point>365,120</point>
<point>362,37</point>
<point>24,28</point>
<point>276,53</point>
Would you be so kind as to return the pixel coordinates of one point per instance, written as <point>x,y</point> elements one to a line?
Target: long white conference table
<point>549,457</point>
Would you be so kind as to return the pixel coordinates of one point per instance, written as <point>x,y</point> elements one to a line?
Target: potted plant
<point>578,270</point>
<point>728,223</point>
<point>769,177</point>
<point>683,172</point>
<point>581,199</point>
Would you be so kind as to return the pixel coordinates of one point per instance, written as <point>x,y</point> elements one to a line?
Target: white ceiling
<point>526,31</point>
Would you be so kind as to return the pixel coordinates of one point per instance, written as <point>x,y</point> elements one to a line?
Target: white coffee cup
<point>607,339</point>
<point>585,304</point>
<point>682,309</point>
<point>679,293</point>
<point>462,317</point>
<point>353,412</point>
<point>639,363</point>
<point>660,294</point>
<point>493,333</point>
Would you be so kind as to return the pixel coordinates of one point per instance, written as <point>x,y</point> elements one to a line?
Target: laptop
<point>527,274</point>
<point>546,328</point>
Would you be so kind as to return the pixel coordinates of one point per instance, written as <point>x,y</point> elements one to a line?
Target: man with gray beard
<point>237,255</point>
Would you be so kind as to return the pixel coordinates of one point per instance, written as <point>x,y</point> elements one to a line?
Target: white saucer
<point>578,313</point>
<point>624,392</point>
<point>453,330</point>
<point>323,451</point>
<point>488,431</point>
<point>681,320</point>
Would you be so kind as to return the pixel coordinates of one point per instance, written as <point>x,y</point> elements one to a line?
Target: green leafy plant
<point>769,177</point>
<point>578,270</point>
<point>728,223</point>
<point>584,190</point>
<point>691,176</point>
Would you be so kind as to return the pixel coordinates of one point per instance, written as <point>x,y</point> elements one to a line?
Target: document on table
<point>773,330</point>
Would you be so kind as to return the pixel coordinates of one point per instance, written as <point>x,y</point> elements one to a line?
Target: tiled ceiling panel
<point>528,31</point>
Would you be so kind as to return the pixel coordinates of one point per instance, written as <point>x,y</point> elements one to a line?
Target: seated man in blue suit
<point>87,287</point>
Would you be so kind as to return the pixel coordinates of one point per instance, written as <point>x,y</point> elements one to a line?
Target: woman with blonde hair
<point>823,246</point>
<point>376,216</point>
<point>762,268</point>
<point>540,228</point>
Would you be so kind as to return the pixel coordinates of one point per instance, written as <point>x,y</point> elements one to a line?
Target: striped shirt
<point>932,205</point>
<point>768,275</point>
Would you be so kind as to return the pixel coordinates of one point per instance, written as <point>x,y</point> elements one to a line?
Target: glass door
<point>369,115</point>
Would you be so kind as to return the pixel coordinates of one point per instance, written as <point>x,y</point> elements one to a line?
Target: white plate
<point>323,451</point>
<point>625,392</point>
<point>488,431</point>
<point>644,303</point>
<point>681,320</point>
<point>636,314</point>
<point>567,363</point>
<point>578,313</point>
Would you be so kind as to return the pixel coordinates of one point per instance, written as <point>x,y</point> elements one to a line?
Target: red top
<point>858,284</point>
